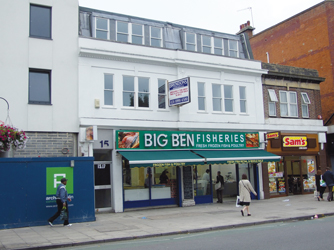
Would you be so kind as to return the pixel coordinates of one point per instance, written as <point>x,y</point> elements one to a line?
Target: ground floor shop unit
<point>144,173</point>
<point>295,172</point>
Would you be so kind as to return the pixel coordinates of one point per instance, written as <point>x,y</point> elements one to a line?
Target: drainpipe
<point>267,53</point>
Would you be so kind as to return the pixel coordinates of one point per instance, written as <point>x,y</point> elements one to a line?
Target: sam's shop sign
<point>132,140</point>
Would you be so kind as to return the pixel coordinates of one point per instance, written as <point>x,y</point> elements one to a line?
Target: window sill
<point>108,107</point>
<point>244,114</point>
<point>133,108</point>
<point>202,112</point>
<point>163,110</point>
<point>36,103</point>
<point>43,38</point>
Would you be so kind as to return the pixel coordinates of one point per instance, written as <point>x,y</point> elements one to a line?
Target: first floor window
<point>305,102</point>
<point>128,91</point>
<point>201,96</point>
<point>108,90</point>
<point>272,102</point>
<point>242,93</point>
<point>216,97</point>
<point>39,86</point>
<point>272,108</point>
<point>288,103</point>
<point>143,92</point>
<point>162,93</point>
<point>228,98</point>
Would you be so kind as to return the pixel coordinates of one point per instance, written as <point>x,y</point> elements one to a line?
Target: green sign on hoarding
<point>132,140</point>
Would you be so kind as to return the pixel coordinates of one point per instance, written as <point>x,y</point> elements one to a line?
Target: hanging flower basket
<point>11,137</point>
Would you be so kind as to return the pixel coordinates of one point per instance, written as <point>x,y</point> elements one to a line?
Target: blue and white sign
<point>179,92</point>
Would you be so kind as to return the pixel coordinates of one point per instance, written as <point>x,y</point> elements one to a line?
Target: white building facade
<point>125,64</point>
<point>39,74</point>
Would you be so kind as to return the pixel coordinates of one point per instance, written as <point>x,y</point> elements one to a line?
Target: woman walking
<point>321,185</point>
<point>245,187</point>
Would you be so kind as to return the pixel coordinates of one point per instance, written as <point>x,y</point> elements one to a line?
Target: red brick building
<point>305,40</point>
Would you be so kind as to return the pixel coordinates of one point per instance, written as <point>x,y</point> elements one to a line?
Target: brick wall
<point>305,40</point>
<point>48,144</point>
<point>314,96</point>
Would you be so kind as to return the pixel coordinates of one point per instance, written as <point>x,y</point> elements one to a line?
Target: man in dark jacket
<point>328,177</point>
<point>221,189</point>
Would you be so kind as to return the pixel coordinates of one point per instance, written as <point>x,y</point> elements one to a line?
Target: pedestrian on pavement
<point>220,179</point>
<point>61,200</point>
<point>245,187</point>
<point>320,189</point>
<point>328,177</point>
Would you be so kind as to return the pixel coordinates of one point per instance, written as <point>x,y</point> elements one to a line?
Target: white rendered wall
<point>19,52</point>
<point>103,57</point>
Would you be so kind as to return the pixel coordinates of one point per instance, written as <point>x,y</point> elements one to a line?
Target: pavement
<point>156,222</point>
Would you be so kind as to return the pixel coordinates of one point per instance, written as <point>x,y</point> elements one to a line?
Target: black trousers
<point>56,215</point>
<point>220,195</point>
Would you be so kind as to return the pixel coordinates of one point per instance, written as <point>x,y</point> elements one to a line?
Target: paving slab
<point>165,221</point>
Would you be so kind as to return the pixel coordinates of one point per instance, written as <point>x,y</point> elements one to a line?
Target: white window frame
<point>245,100</point>
<point>288,103</point>
<point>108,29</point>
<point>199,96</point>
<point>117,32</point>
<point>221,48</point>
<point>221,97</point>
<point>146,93</point>
<point>272,101</point>
<point>131,33</point>
<point>156,38</point>
<point>136,92</point>
<point>229,48</point>
<point>206,46</point>
<point>108,90</point>
<point>229,98</point>
<point>186,42</point>
<point>164,95</point>
<point>305,102</point>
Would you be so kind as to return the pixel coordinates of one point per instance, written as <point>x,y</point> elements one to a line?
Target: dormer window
<point>122,32</point>
<point>233,48</point>
<point>137,34</point>
<point>156,37</point>
<point>102,28</point>
<point>206,44</point>
<point>190,42</point>
<point>218,44</point>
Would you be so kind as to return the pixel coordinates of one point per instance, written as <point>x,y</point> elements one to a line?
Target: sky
<point>217,15</point>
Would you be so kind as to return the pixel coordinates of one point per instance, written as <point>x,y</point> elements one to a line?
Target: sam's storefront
<point>295,173</point>
<point>180,167</point>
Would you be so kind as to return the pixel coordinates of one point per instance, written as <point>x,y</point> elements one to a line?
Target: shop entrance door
<point>202,176</point>
<point>295,176</point>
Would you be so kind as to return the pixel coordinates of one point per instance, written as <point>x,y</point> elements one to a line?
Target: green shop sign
<point>132,140</point>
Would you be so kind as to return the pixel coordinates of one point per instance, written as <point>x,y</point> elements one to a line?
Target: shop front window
<point>228,171</point>
<point>308,166</point>
<point>202,180</point>
<point>277,184</point>
<point>149,183</point>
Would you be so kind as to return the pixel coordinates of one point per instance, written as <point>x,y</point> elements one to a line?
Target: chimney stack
<point>246,28</point>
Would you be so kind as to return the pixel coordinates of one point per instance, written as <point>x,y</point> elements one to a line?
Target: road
<point>297,235</point>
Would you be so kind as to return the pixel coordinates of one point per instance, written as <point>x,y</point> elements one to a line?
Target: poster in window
<point>271,167</point>
<point>310,167</point>
<point>281,185</point>
<point>272,185</point>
